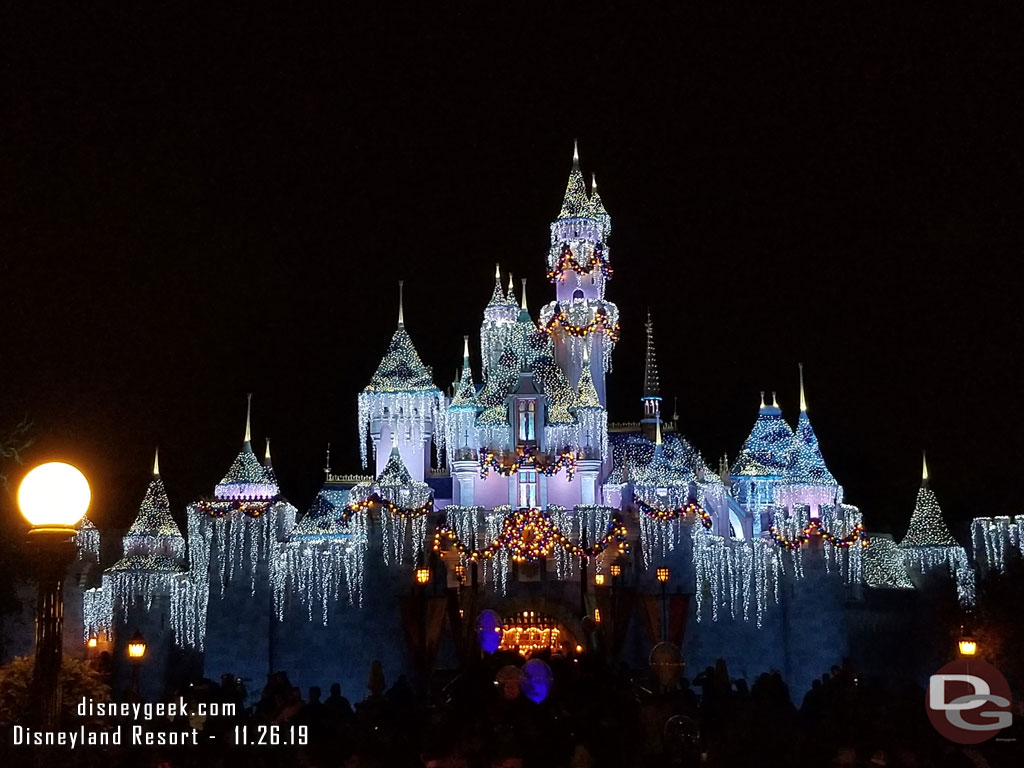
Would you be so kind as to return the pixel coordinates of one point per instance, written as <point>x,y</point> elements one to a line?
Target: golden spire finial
<point>762,399</point>
<point>497,271</point>
<point>775,401</point>
<point>248,420</point>
<point>657,432</point>
<point>803,398</point>
<point>575,154</point>
<point>266,455</point>
<point>465,349</point>
<point>401,309</point>
<point>924,468</point>
<point>523,305</point>
<point>156,462</point>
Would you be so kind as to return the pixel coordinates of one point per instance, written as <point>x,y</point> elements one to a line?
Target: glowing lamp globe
<point>599,579</point>
<point>968,647</point>
<point>54,495</point>
<point>422,575</point>
<point>662,574</point>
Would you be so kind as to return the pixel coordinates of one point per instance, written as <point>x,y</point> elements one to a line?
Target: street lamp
<point>967,645</point>
<point>599,579</point>
<point>616,570</point>
<point>662,575</point>
<point>422,574</point>
<point>136,651</point>
<point>53,497</point>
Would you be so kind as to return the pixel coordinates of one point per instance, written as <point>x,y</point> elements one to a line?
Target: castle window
<point>526,411</point>
<point>527,489</point>
<point>577,294</point>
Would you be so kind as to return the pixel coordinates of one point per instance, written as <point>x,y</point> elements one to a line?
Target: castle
<point>511,513</point>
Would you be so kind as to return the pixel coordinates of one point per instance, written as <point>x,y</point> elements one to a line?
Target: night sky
<point>193,207</point>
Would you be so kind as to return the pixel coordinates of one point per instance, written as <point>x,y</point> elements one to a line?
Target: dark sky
<point>193,207</point>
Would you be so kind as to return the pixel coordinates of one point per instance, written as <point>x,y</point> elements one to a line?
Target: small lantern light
<point>597,615</point>
<point>968,647</point>
<point>92,642</point>
<point>136,647</point>
<point>422,574</point>
<point>599,579</point>
<point>460,573</point>
<point>616,570</point>
<point>579,649</point>
<point>662,574</point>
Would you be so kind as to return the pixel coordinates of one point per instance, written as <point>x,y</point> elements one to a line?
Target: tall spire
<point>464,389</point>
<point>266,455</point>
<point>652,386</point>
<point>465,351</point>
<point>523,305</point>
<point>924,470</point>
<point>762,400</point>
<point>248,422</point>
<point>575,154</point>
<point>803,398</point>
<point>156,462</point>
<point>510,297</point>
<point>657,434</point>
<point>401,310</point>
<point>775,400</point>
<point>327,462</point>
<point>927,526</point>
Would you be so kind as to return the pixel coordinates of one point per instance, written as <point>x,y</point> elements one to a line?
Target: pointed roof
<point>325,518</point>
<point>927,526</point>
<point>586,391</point>
<point>498,295</point>
<point>652,385</point>
<point>806,465</point>
<point>401,369</point>
<point>510,297</point>
<point>465,391</point>
<point>247,478</point>
<point>395,472</point>
<point>766,450</point>
<point>154,517</point>
<point>595,198</point>
<point>575,204</point>
<point>395,478</point>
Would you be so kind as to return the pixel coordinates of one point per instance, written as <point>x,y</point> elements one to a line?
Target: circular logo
<point>968,701</point>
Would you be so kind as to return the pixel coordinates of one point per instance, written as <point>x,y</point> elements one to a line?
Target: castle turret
<point>401,401</point>
<point>806,479</point>
<point>247,478</point>
<point>762,461</point>
<point>578,265</point>
<point>499,316</point>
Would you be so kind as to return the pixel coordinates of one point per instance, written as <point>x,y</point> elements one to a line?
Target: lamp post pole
<point>54,550</point>
<point>662,574</point>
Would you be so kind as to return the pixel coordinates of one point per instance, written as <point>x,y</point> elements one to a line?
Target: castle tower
<point>578,265</point>
<point>401,404</point>
<point>652,386</point>
<point>499,316</point>
<point>762,461</point>
<point>806,479</point>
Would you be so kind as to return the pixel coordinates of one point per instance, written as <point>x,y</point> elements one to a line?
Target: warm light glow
<point>422,575</point>
<point>136,646</point>
<point>616,571</point>
<point>968,647</point>
<point>599,579</point>
<point>54,495</point>
<point>460,573</point>
<point>597,615</point>
<point>579,649</point>
<point>662,574</point>
<point>93,642</point>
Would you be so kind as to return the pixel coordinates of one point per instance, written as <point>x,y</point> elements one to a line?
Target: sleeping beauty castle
<point>507,511</point>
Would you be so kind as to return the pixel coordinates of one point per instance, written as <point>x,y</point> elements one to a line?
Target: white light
<point>54,494</point>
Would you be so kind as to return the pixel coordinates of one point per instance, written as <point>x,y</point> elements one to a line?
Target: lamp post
<point>662,574</point>
<point>53,497</point>
<point>136,652</point>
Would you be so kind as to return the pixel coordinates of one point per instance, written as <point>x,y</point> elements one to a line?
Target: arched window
<point>526,421</point>
<point>577,294</point>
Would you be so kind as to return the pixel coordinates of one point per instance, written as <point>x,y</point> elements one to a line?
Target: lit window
<point>527,411</point>
<point>527,489</point>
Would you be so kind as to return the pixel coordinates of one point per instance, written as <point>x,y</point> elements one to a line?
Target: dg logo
<point>968,701</point>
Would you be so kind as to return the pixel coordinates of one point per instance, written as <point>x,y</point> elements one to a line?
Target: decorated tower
<point>651,398</point>
<point>402,406</point>
<point>806,479</point>
<point>500,315</point>
<point>578,265</point>
<point>762,461</point>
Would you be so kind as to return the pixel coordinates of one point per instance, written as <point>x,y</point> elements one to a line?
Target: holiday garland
<point>599,324</point>
<point>403,513</point>
<point>814,528</point>
<point>566,261</point>
<point>219,509</point>
<point>529,535</point>
<point>526,457</point>
<point>692,510</point>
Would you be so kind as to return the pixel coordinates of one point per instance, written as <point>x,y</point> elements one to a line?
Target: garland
<point>691,510</point>
<point>404,513</point>
<point>598,324</point>
<point>529,535</point>
<point>566,261</point>
<point>218,509</point>
<point>526,457</point>
<point>814,528</point>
